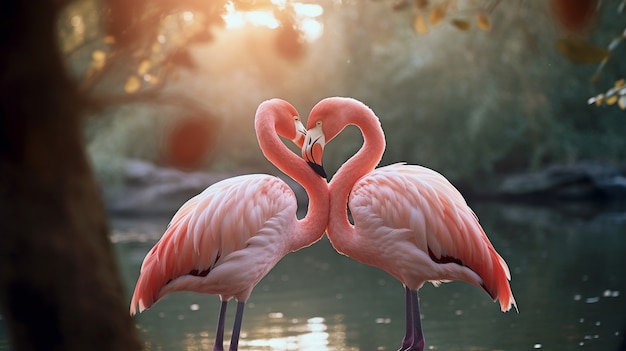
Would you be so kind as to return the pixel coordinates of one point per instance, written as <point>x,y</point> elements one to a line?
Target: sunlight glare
<point>312,29</point>
<point>313,337</point>
<point>261,18</point>
<point>308,10</point>
<point>305,18</point>
<point>188,16</point>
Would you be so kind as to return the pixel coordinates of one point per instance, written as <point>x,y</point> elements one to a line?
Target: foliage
<point>137,59</point>
<point>617,94</point>
<point>476,104</point>
<point>460,14</point>
<point>487,90</point>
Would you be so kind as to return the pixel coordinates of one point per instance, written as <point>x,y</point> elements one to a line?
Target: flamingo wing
<point>213,228</point>
<point>419,216</point>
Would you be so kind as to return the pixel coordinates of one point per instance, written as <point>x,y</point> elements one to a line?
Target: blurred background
<point>472,89</point>
<point>518,103</point>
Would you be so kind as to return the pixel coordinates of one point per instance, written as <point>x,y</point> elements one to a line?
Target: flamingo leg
<point>408,335</point>
<point>418,341</point>
<point>234,341</point>
<point>219,334</point>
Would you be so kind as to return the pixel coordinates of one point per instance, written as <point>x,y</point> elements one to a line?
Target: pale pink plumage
<point>408,220</point>
<point>423,221</point>
<point>226,239</point>
<point>249,211</point>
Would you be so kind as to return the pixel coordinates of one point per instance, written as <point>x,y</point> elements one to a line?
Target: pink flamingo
<point>226,239</point>
<point>408,220</point>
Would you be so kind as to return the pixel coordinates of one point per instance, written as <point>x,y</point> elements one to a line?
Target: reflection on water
<point>568,279</point>
<point>311,334</point>
<point>276,333</point>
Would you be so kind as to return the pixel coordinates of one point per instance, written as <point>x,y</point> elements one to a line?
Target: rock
<point>581,181</point>
<point>148,189</point>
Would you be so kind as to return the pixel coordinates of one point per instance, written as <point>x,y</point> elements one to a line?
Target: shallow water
<point>567,276</point>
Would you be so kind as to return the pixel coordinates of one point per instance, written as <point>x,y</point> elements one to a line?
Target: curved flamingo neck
<point>340,231</point>
<point>311,227</point>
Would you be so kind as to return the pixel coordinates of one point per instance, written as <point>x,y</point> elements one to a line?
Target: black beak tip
<point>318,169</point>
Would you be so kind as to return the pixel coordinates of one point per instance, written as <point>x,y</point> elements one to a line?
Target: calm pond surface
<point>567,271</point>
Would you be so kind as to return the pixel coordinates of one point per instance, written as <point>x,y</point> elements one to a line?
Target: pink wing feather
<point>425,210</point>
<point>208,228</point>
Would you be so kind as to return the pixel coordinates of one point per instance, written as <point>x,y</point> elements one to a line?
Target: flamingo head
<point>327,119</point>
<point>287,121</point>
<point>300,132</point>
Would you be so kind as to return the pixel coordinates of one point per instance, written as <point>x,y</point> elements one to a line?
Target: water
<point>567,271</point>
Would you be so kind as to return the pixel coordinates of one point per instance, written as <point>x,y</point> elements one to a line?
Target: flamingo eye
<point>296,118</point>
<point>318,123</point>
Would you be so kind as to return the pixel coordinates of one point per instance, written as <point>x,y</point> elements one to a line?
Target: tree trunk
<point>59,284</point>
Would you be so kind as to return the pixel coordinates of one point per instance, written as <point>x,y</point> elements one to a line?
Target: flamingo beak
<point>313,149</point>
<point>300,133</point>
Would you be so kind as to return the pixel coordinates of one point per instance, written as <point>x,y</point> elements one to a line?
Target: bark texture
<point>59,284</point>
